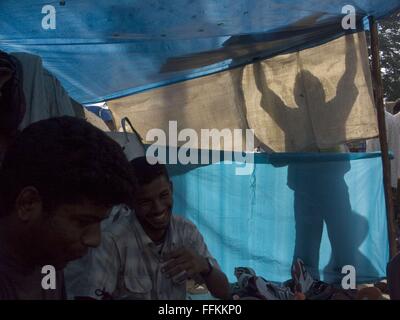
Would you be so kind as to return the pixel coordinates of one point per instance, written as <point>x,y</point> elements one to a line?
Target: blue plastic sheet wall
<point>327,209</point>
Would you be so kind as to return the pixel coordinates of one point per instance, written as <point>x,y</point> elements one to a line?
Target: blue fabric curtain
<point>328,209</point>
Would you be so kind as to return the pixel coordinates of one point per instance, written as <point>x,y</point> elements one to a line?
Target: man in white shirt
<point>148,253</point>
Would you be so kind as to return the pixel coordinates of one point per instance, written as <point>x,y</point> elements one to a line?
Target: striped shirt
<point>128,263</point>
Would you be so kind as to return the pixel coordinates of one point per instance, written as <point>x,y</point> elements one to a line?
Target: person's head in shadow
<point>306,79</point>
<point>58,180</point>
<point>153,197</point>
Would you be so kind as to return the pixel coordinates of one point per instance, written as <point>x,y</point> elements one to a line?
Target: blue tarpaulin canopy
<point>106,49</point>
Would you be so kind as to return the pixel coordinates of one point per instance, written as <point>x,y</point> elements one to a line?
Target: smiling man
<point>58,181</point>
<point>148,254</point>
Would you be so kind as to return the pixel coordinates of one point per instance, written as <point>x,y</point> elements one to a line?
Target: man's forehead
<point>87,209</point>
<point>156,186</point>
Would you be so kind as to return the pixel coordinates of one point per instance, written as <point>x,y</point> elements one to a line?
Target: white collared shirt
<point>128,264</point>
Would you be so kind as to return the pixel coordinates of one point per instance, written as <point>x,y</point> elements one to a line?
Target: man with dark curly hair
<point>58,181</point>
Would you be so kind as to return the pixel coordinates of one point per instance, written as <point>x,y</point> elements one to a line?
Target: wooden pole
<point>378,88</point>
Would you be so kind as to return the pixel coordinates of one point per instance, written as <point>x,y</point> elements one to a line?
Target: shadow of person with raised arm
<point>313,119</point>
<point>320,190</point>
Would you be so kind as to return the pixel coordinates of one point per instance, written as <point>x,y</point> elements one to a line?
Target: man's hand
<point>184,263</point>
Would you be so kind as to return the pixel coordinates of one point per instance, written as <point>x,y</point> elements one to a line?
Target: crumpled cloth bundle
<point>251,285</point>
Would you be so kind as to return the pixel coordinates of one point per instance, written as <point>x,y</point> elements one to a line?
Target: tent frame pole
<point>380,108</point>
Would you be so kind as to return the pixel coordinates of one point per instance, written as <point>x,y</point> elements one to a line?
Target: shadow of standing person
<point>320,191</point>
<point>347,249</point>
<point>320,195</point>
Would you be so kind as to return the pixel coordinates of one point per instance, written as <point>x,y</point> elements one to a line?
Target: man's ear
<point>28,205</point>
<point>171,185</point>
